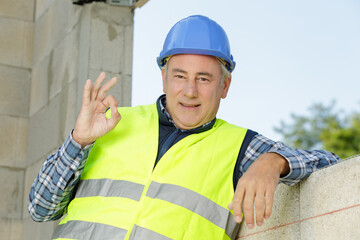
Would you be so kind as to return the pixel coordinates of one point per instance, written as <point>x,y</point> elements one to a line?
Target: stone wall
<point>48,49</point>
<point>324,206</point>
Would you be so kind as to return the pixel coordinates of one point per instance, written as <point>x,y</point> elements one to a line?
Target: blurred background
<point>290,55</point>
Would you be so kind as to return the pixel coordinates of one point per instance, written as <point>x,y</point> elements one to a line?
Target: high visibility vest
<point>122,196</point>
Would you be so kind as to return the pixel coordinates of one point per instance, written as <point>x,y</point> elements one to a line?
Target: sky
<point>289,54</point>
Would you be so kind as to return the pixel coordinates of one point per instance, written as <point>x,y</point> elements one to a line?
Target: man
<point>170,170</point>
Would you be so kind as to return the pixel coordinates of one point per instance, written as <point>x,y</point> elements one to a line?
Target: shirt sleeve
<point>53,188</point>
<point>301,162</point>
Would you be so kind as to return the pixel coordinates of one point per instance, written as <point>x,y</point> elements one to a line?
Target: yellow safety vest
<point>122,196</point>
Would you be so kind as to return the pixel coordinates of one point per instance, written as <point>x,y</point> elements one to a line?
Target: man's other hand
<point>92,123</point>
<point>257,187</point>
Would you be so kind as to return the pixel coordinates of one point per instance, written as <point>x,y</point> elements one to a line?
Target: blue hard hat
<point>197,35</point>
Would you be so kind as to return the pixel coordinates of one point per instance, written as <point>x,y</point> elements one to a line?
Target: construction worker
<point>170,170</point>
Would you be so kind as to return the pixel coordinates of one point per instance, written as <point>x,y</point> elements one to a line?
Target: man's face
<point>193,89</point>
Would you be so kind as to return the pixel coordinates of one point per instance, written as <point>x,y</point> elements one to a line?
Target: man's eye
<point>203,79</point>
<point>179,76</point>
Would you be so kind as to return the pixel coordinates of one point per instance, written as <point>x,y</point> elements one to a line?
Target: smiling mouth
<point>189,105</point>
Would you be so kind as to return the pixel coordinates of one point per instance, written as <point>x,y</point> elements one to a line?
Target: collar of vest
<point>164,120</point>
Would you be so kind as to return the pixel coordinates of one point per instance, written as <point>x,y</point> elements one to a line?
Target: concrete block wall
<point>16,53</point>
<point>48,49</point>
<point>324,206</point>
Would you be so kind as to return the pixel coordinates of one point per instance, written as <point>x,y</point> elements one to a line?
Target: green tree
<point>326,128</point>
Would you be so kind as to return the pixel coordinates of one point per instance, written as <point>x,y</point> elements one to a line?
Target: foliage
<point>324,128</point>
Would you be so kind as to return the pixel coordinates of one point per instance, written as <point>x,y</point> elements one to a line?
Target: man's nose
<point>190,89</point>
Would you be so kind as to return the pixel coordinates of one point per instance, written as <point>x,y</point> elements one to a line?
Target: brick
<point>14,91</point>
<point>13,141</point>
<point>11,229</point>
<point>12,192</point>
<point>16,42</point>
<point>44,131</point>
<point>20,9</point>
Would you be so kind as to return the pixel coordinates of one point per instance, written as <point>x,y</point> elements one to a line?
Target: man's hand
<point>257,187</point>
<point>92,123</point>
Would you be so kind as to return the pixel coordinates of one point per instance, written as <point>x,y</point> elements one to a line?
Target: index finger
<point>106,88</point>
<point>86,93</point>
<point>236,204</point>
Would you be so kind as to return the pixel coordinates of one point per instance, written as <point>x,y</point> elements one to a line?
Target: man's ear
<point>225,86</point>
<point>163,79</point>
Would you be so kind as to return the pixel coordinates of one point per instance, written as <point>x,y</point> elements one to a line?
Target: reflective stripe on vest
<point>196,203</point>
<point>109,188</point>
<point>88,230</point>
<point>184,197</point>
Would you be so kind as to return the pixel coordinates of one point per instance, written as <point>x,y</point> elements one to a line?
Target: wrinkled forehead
<point>194,61</point>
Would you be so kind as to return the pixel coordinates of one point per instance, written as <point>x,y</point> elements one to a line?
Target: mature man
<point>170,170</point>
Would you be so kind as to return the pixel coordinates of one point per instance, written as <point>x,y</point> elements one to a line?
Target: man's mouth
<point>189,105</point>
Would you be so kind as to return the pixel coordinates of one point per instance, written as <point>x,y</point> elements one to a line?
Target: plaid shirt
<point>54,187</point>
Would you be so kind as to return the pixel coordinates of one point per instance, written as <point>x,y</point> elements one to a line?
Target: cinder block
<point>44,131</point>
<point>339,225</point>
<point>14,91</point>
<point>106,46</point>
<point>107,38</point>
<point>283,219</point>
<point>64,63</point>
<point>13,141</point>
<point>11,229</point>
<point>330,189</point>
<point>71,112</point>
<point>42,6</point>
<point>38,231</point>
<point>16,42</point>
<point>108,13</point>
<point>291,232</point>
<point>28,53</point>
<point>20,9</point>
<point>126,86</point>
<point>128,56</point>
<point>53,26</point>
<point>8,126</point>
<point>42,38</point>
<point>39,94</point>
<point>11,188</point>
